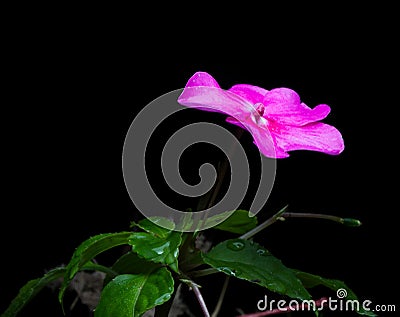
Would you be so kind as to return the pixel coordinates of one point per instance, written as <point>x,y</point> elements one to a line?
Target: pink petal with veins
<point>203,92</point>
<point>277,119</point>
<point>216,100</point>
<point>202,79</point>
<point>283,106</point>
<point>316,136</point>
<point>253,94</point>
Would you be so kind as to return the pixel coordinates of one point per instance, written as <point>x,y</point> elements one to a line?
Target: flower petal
<point>202,79</point>
<point>317,136</point>
<point>286,124</point>
<point>203,92</point>
<point>283,106</point>
<point>232,120</point>
<point>262,138</point>
<point>253,94</point>
<point>266,143</point>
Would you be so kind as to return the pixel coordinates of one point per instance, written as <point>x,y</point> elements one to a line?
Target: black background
<point>73,88</point>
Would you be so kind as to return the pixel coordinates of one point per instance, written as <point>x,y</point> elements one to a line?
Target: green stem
<point>221,298</point>
<point>190,261</point>
<point>264,225</point>
<point>98,267</point>
<point>204,272</point>
<point>283,214</point>
<point>198,295</point>
<point>221,176</point>
<point>345,221</point>
<point>223,170</point>
<point>208,200</point>
<point>310,215</point>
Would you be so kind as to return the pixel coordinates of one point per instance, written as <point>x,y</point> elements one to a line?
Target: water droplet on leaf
<point>162,248</point>
<point>235,245</point>
<point>227,270</point>
<point>262,252</point>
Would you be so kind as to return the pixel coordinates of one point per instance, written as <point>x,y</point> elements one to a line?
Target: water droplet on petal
<point>235,245</point>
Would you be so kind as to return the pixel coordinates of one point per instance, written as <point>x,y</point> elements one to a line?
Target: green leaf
<point>97,267</point>
<point>130,295</point>
<point>130,263</point>
<point>213,221</point>
<point>158,226</point>
<point>158,244</point>
<point>87,251</point>
<point>249,261</point>
<point>30,289</point>
<point>239,222</point>
<point>311,280</point>
<point>33,287</point>
<point>185,224</point>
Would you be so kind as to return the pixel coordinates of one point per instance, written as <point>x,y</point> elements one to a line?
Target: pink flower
<point>278,121</point>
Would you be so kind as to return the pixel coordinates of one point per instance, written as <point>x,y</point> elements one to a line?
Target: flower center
<point>257,116</point>
<point>260,108</point>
